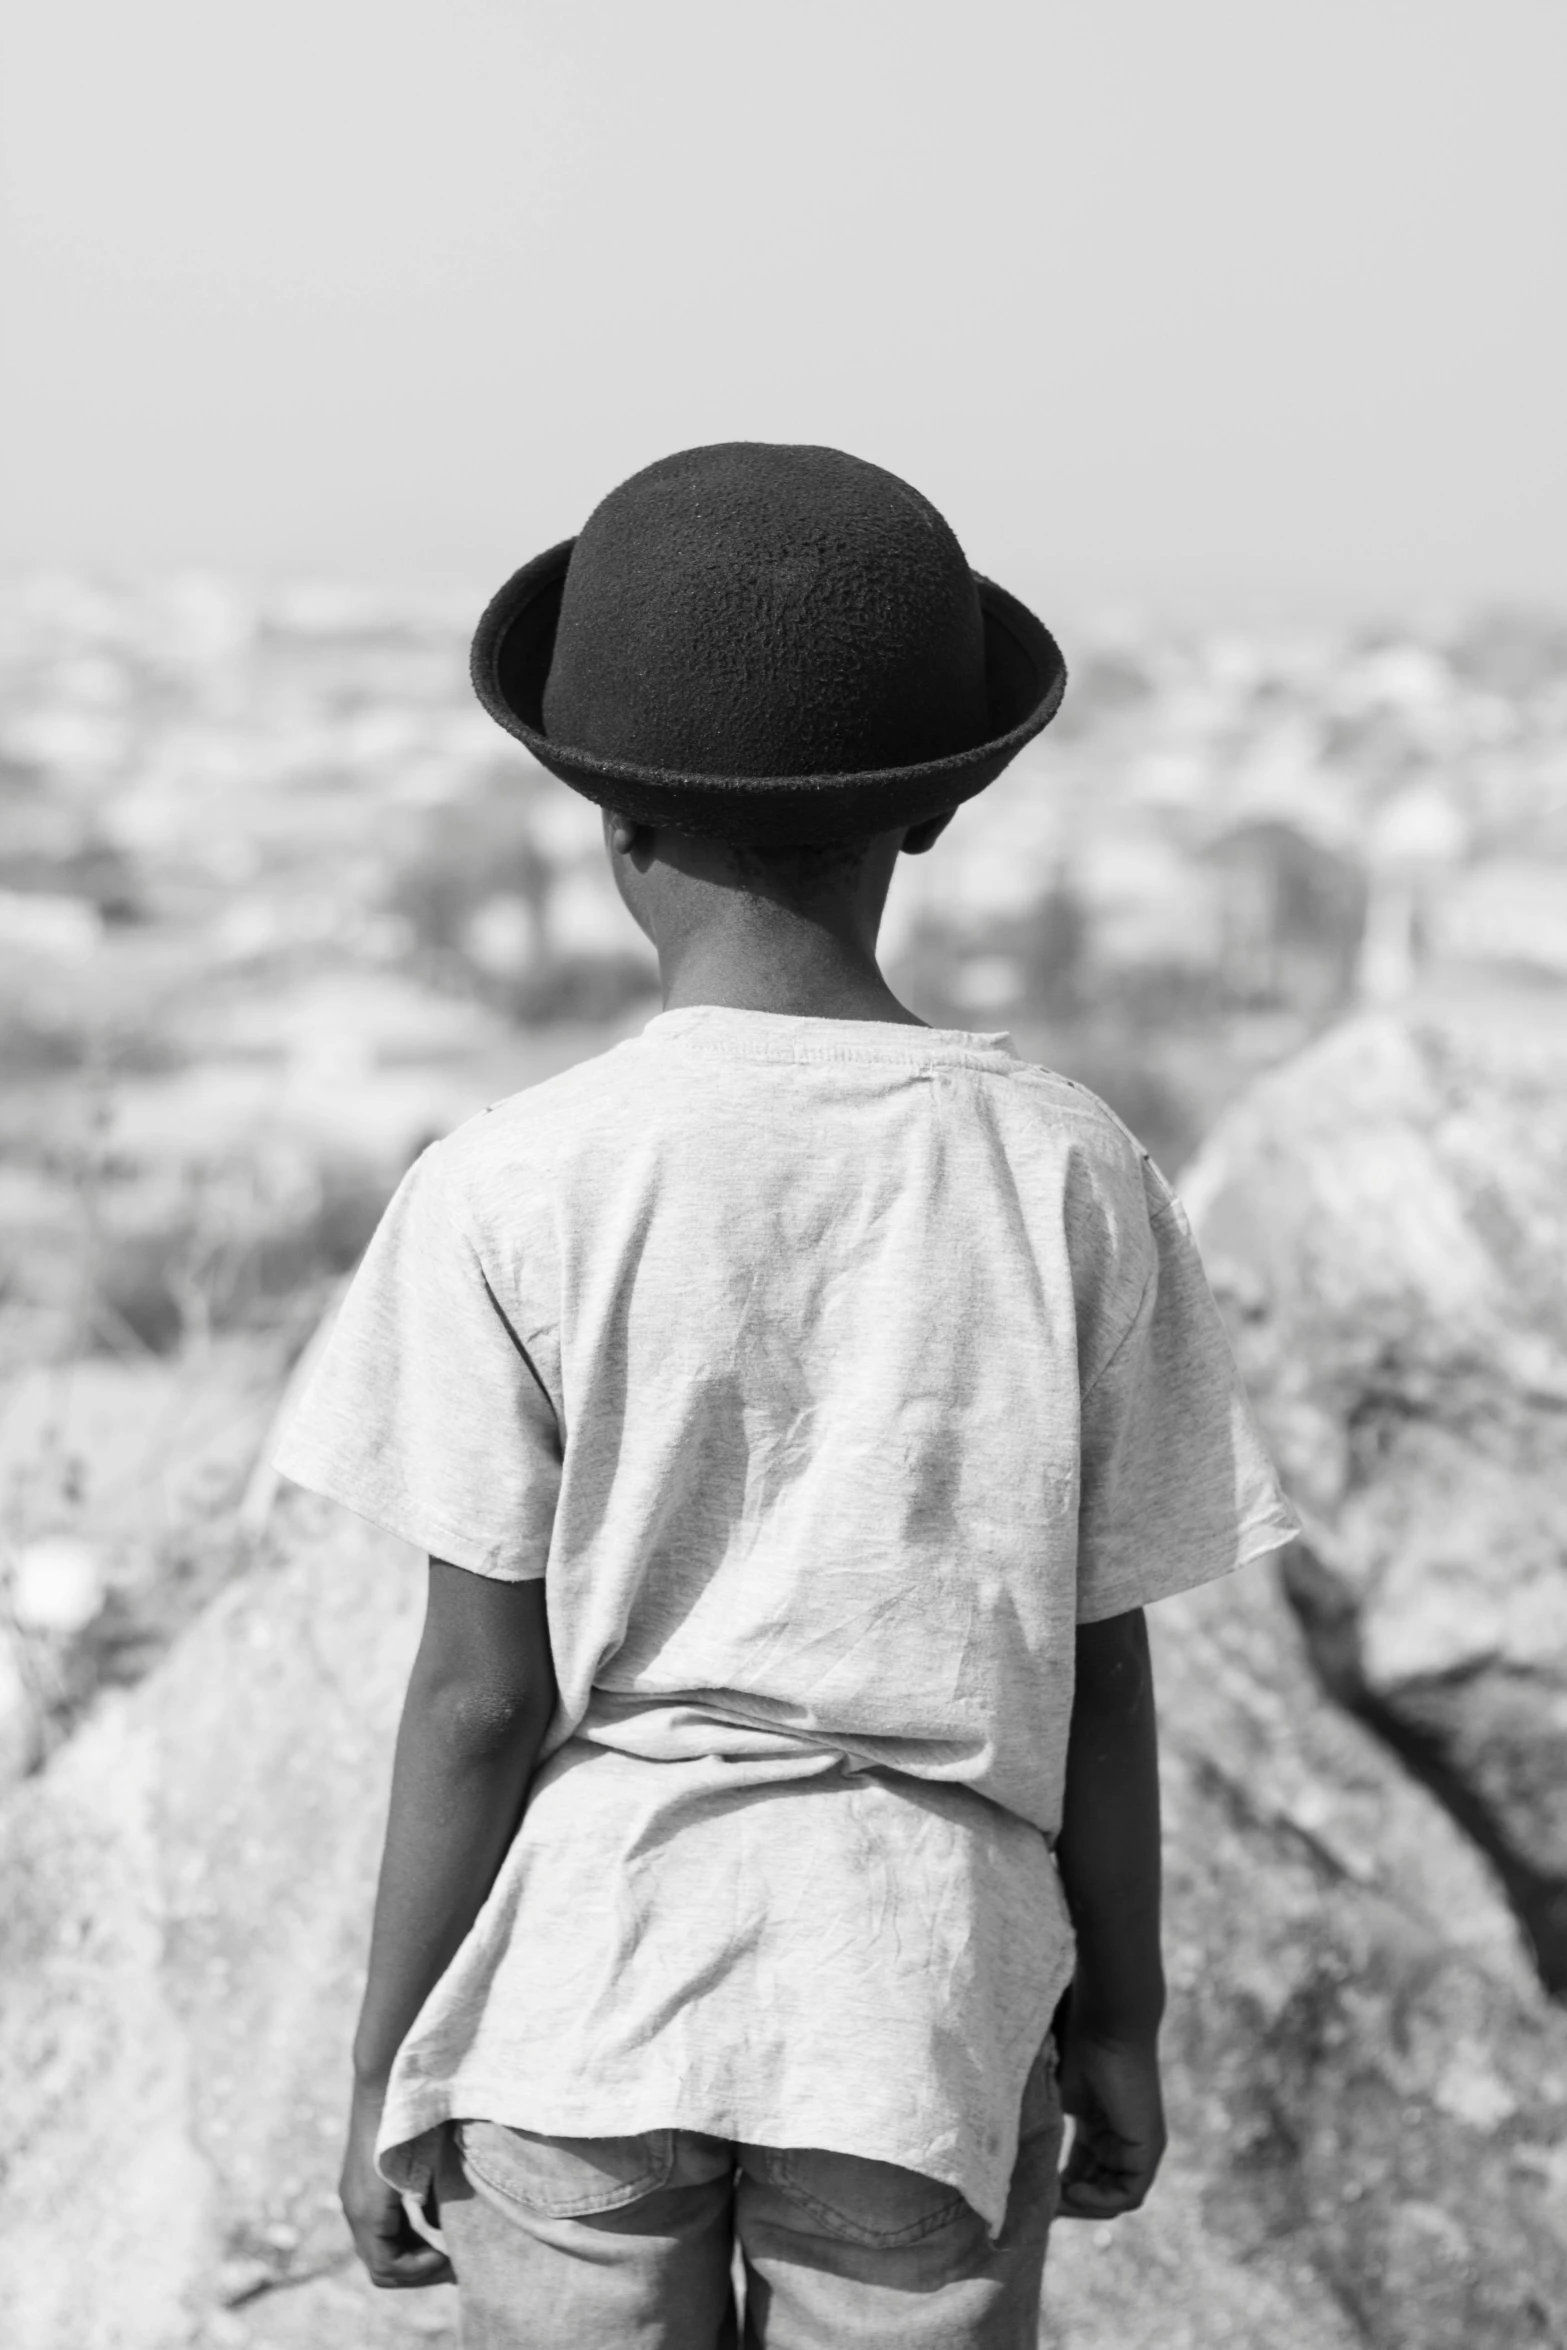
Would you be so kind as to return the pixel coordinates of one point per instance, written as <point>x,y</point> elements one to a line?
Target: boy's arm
<point>480,1698</point>
<point>1108,1855</point>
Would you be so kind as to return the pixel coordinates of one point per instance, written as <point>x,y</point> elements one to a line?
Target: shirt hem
<point>406,2145</point>
<point>1271,1534</point>
<point>436,1541</point>
<point>406,2155</point>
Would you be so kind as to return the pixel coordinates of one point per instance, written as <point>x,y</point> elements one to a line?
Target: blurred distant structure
<point>277,903</point>
<point>1292,916</point>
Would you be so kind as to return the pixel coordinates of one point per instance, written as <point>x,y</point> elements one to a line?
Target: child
<point>798,1404</point>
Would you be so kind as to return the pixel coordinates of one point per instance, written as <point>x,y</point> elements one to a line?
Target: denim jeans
<point>640,2243</point>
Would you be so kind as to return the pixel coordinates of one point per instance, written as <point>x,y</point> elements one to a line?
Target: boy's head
<point>777,648</point>
<point>758,611</point>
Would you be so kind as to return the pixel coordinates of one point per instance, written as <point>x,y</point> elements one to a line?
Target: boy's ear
<point>625,838</point>
<point>923,836</point>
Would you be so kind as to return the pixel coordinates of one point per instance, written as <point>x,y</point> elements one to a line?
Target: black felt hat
<point>767,642</point>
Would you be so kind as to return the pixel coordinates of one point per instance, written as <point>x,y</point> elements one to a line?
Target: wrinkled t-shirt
<point>830,1373</point>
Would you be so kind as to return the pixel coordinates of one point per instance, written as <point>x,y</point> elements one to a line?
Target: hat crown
<point>760,608</point>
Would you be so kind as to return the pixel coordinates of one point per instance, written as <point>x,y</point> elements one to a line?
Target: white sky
<point>1231,304</point>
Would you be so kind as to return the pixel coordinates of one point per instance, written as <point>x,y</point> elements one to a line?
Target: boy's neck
<point>765,957</point>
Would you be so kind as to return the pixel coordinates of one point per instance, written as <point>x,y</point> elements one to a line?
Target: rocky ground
<point>1368,2079</point>
<point>1387,1220</point>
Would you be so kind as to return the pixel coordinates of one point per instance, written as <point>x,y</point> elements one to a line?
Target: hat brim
<point>1025,677</point>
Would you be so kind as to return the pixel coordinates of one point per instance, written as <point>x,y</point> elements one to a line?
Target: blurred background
<point>1230,338</point>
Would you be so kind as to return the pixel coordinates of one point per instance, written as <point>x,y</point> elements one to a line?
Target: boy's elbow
<point>481,1719</point>
<point>484,1677</point>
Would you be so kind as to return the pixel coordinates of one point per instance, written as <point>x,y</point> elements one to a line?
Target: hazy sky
<point>1230,303</point>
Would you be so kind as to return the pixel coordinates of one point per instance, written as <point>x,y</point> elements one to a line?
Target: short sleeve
<point>1176,1484</point>
<point>423,1411</point>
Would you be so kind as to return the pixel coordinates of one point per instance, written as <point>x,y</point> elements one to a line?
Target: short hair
<point>766,867</point>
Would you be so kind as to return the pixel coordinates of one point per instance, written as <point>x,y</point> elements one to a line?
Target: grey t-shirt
<point>830,1372</point>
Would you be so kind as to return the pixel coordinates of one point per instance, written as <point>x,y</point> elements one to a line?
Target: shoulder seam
<point>457,1207</point>
<point>1089,1104</point>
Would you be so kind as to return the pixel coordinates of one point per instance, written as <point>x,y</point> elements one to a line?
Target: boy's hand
<point>1108,1853</point>
<point>1111,2090</point>
<point>394,2253</point>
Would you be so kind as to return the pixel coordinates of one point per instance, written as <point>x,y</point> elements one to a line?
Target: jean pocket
<point>565,2178</point>
<point>858,2199</point>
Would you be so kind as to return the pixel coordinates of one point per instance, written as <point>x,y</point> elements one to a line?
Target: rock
<point>121,1482</point>
<point>188,1886</point>
<point>1385,1219</point>
<point>58,1585</point>
<point>1368,2090</point>
<point>111,1454</point>
<point>1367,2087</point>
<point>20,1711</point>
